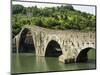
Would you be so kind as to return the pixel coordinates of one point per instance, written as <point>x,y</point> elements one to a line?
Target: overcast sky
<point>87,9</point>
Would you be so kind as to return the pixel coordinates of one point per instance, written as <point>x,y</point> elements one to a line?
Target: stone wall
<point>71,42</point>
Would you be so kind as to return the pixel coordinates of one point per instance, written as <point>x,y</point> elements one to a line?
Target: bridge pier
<point>67,57</point>
<point>65,60</point>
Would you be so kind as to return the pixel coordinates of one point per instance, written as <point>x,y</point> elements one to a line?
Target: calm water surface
<point>28,62</point>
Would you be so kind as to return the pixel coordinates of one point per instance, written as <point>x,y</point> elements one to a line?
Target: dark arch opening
<point>26,44</point>
<point>53,49</point>
<point>86,55</point>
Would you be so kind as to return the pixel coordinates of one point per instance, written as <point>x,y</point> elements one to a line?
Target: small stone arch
<point>26,41</point>
<point>83,54</point>
<point>53,49</point>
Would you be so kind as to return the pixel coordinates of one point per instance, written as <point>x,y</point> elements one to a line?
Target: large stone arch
<point>53,48</point>
<point>26,41</point>
<point>82,55</point>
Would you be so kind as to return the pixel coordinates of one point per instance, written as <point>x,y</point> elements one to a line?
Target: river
<point>28,62</point>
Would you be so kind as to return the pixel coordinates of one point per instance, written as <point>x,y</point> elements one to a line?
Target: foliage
<point>61,17</point>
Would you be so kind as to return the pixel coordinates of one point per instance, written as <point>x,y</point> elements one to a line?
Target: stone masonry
<point>71,42</point>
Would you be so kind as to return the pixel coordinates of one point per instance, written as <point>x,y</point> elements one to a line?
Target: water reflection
<point>41,62</point>
<point>28,62</point>
<point>18,66</point>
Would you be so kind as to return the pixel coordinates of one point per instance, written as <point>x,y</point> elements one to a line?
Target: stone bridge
<point>67,45</point>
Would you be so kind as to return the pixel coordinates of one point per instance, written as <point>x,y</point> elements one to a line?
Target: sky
<point>87,9</point>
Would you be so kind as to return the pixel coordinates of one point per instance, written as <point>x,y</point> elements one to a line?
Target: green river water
<point>28,62</point>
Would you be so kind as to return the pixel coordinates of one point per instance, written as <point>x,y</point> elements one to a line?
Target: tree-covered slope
<point>60,17</point>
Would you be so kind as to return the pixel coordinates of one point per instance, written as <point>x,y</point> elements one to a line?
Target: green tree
<point>16,9</point>
<point>61,17</point>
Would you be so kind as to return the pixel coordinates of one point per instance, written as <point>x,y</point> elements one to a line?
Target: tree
<point>60,17</point>
<point>16,9</point>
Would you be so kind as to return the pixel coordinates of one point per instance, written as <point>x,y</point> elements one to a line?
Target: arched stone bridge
<point>68,45</point>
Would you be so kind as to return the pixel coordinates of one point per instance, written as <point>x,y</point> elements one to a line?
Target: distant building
<point>29,14</point>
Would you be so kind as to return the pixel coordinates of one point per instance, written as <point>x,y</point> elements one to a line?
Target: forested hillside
<point>61,17</point>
